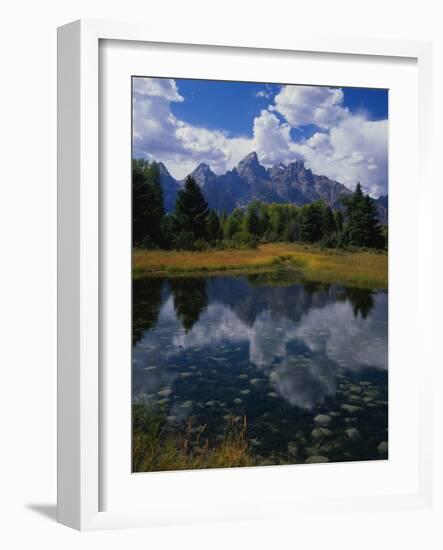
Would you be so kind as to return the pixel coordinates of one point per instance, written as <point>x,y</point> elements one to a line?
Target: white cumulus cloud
<point>302,105</point>
<point>159,135</point>
<point>156,87</point>
<point>272,139</point>
<point>347,147</point>
<point>354,150</point>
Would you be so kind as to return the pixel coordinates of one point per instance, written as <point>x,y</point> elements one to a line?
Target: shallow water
<point>306,364</point>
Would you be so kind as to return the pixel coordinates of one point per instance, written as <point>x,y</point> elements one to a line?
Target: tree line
<point>194,226</point>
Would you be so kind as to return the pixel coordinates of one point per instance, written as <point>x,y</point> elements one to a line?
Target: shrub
<point>200,245</point>
<point>329,241</point>
<point>245,239</point>
<point>184,240</point>
<point>148,243</point>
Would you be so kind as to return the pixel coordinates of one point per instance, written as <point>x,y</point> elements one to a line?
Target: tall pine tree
<point>191,210</point>
<point>215,232</point>
<point>362,228</point>
<point>339,220</point>
<point>156,209</point>
<point>147,204</point>
<point>329,225</point>
<point>311,229</point>
<point>252,220</point>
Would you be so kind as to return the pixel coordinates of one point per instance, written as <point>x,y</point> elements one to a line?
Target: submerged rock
<point>383,448</point>
<point>322,420</point>
<point>318,433</point>
<point>352,433</point>
<point>350,408</point>
<point>245,392</point>
<point>238,401</point>
<point>165,392</point>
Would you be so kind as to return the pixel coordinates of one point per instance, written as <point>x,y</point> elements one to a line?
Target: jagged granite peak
<point>170,187</point>
<point>292,183</point>
<point>251,158</point>
<point>162,169</point>
<point>276,169</point>
<point>251,169</point>
<point>203,174</point>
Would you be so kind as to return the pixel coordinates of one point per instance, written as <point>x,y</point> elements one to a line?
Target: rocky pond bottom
<point>302,368</point>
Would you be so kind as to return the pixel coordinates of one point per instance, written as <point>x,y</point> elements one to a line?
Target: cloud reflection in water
<point>297,339</point>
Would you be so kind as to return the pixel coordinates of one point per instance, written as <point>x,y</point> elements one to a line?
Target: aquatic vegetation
<point>158,447</point>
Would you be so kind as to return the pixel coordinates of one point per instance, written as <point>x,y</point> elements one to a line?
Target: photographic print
<point>259,274</point>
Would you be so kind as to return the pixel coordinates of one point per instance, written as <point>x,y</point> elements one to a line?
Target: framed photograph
<point>240,241</point>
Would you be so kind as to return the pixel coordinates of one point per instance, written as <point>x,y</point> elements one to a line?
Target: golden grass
<point>155,451</point>
<point>361,268</point>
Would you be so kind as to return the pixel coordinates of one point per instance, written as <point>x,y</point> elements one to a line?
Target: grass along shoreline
<point>310,263</point>
<point>158,447</point>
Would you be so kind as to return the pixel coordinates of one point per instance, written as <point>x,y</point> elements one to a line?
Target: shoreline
<point>286,260</point>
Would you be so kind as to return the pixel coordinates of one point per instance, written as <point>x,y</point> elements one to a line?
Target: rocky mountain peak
<point>203,173</point>
<point>291,183</point>
<point>251,158</point>
<point>250,167</point>
<point>163,170</point>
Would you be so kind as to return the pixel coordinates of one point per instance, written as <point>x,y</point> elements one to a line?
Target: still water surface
<point>306,364</point>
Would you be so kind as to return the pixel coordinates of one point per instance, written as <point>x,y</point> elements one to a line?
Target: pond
<point>304,366</point>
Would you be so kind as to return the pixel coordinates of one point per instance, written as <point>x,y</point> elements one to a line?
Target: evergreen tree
<point>328,219</point>
<point>355,227</point>
<point>147,204</point>
<point>311,229</point>
<point>191,210</point>
<point>339,220</point>
<point>140,202</point>
<point>169,231</point>
<point>373,232</point>
<point>252,220</point>
<point>215,232</point>
<point>156,209</point>
<point>362,228</point>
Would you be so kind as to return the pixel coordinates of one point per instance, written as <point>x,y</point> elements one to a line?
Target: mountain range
<point>282,183</point>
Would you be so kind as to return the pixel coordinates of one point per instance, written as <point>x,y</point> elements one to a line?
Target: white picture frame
<point>79,261</point>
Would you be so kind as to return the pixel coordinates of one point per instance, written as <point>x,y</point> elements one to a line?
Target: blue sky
<point>338,132</point>
<point>232,106</point>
